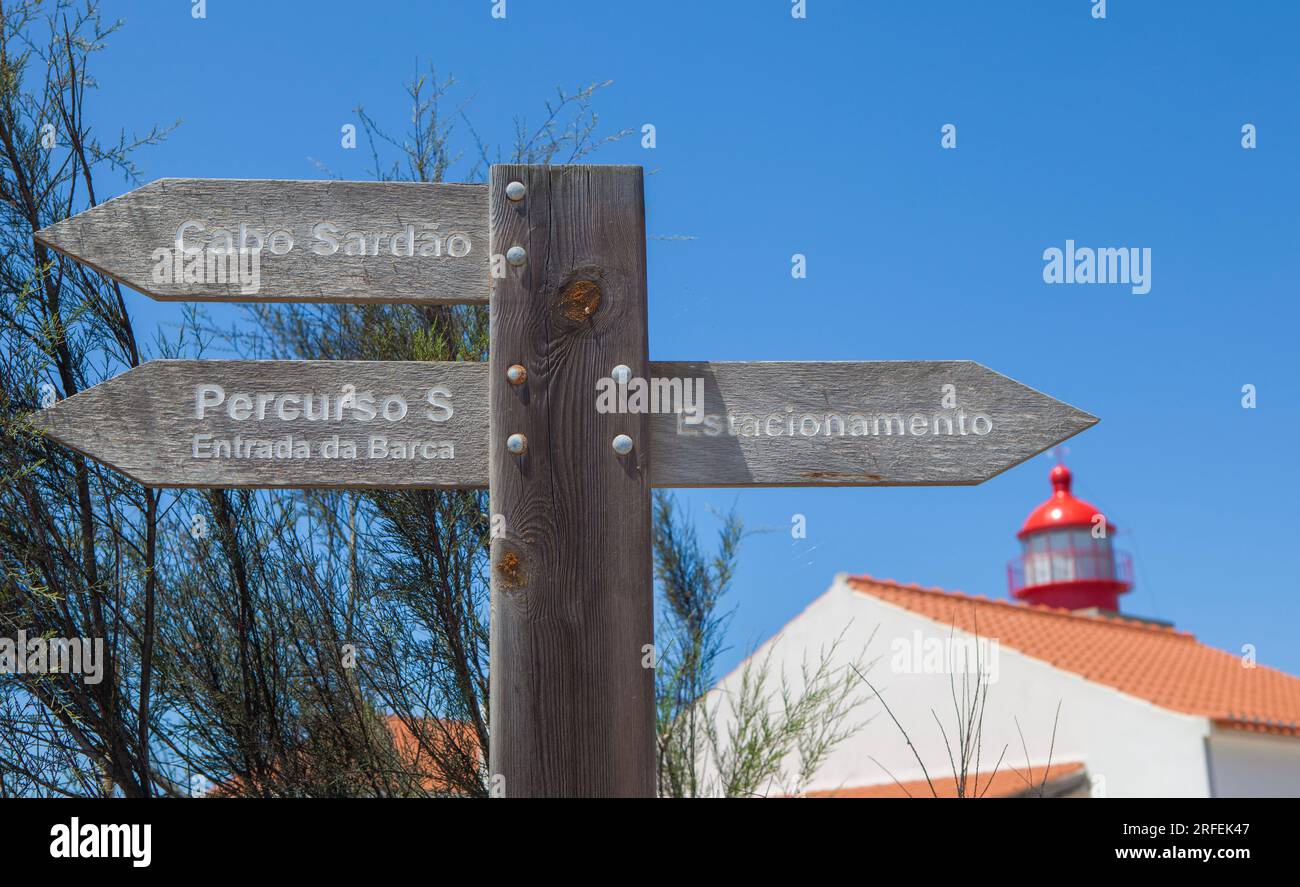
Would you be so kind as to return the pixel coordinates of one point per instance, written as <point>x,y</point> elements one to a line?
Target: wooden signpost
<point>314,241</point>
<point>569,424</point>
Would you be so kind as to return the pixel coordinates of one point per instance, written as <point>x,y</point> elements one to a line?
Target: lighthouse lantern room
<point>1067,559</point>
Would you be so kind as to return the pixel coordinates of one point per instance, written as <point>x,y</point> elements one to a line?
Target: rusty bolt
<point>516,374</point>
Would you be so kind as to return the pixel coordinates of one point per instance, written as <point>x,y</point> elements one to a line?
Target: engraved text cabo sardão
<point>327,239</point>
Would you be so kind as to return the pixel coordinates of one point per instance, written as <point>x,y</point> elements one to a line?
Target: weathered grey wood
<point>119,238</point>
<point>144,423</point>
<point>572,694</point>
<point>745,440</point>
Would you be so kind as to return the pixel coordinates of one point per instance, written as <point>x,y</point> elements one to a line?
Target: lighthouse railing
<point>1061,565</point>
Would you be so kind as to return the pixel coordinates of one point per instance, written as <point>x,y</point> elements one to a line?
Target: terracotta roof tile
<point>1166,667</point>
<point>455,742</point>
<point>1008,782</point>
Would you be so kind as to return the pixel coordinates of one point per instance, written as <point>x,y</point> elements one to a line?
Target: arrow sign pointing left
<point>230,240</point>
<point>284,424</point>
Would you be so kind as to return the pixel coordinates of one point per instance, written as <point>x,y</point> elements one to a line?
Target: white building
<point>1144,710</point>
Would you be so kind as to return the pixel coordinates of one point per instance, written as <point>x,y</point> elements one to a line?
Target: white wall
<point>1130,747</point>
<point>1254,765</point>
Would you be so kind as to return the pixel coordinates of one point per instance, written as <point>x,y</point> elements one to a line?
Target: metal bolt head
<point>517,444</point>
<point>516,374</point>
<point>621,373</point>
<point>516,255</point>
<point>516,191</point>
<point>622,444</point>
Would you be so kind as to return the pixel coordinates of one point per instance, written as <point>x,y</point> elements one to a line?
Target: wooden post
<point>572,703</point>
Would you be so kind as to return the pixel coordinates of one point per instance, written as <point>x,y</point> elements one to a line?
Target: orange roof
<point>1168,668</point>
<point>442,743</point>
<point>1009,782</point>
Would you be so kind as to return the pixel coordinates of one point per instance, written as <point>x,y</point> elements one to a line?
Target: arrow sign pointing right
<point>405,424</point>
<point>179,240</point>
<point>851,423</point>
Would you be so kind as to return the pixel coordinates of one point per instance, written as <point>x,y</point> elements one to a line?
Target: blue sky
<point>822,136</point>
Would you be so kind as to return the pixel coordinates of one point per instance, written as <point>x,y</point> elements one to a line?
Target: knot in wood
<point>509,570</point>
<point>579,300</point>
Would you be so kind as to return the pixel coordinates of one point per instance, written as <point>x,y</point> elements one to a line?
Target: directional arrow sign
<point>181,240</point>
<point>875,423</point>
<point>296,424</point>
<point>357,424</point>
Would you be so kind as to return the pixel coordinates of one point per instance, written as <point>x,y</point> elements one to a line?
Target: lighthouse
<point>1067,559</point>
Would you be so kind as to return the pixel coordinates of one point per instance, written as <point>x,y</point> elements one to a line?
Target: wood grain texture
<point>572,705</point>
<point>910,434</point>
<point>144,423</point>
<point>118,238</point>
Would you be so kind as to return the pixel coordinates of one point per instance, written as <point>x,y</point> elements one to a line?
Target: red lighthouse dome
<point>1067,559</point>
